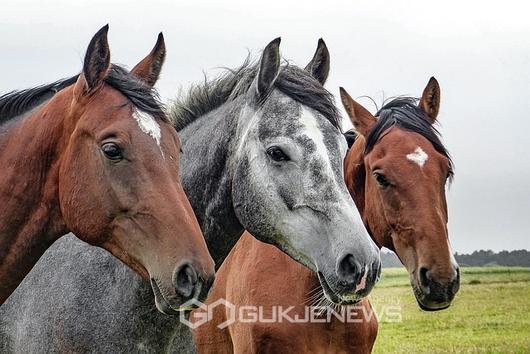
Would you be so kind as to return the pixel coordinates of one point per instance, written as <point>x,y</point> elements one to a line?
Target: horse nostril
<point>185,280</point>
<point>424,279</point>
<point>348,270</point>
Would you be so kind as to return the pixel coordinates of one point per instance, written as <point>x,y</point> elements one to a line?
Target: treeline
<point>480,258</point>
<point>489,258</point>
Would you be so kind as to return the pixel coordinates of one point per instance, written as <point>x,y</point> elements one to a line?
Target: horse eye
<point>277,154</point>
<point>112,151</point>
<point>381,180</point>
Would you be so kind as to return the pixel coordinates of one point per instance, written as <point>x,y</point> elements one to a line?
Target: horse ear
<point>430,99</point>
<point>269,67</point>
<point>361,119</point>
<point>319,65</point>
<point>148,70</point>
<point>97,59</point>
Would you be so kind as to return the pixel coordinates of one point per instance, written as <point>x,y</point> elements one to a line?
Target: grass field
<point>490,314</point>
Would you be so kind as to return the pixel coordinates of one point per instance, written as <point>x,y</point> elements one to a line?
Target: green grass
<point>490,314</point>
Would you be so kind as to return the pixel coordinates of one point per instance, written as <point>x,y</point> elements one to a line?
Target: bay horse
<point>96,155</point>
<point>396,171</point>
<point>262,150</point>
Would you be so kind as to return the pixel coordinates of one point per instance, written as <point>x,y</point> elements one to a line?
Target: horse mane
<point>293,81</point>
<point>404,113</point>
<point>143,97</point>
<point>15,103</point>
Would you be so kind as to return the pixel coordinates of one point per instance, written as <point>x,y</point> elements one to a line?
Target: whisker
<point>313,297</point>
<point>315,289</point>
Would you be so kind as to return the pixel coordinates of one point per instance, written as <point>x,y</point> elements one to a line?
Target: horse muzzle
<point>433,295</point>
<point>189,290</point>
<point>352,281</point>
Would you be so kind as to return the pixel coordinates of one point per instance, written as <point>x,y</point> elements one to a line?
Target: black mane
<point>15,103</point>
<point>293,81</point>
<point>404,113</point>
<point>143,97</point>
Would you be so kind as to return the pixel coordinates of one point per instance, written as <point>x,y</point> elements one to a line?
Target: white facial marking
<point>149,126</point>
<point>418,156</point>
<point>312,130</point>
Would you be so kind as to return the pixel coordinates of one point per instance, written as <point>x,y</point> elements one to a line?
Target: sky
<point>478,50</point>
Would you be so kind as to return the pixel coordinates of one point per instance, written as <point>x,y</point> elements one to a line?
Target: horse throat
<point>208,145</point>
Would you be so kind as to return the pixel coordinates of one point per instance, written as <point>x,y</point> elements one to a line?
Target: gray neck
<point>208,145</point>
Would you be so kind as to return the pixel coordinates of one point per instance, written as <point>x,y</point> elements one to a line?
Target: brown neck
<point>30,217</point>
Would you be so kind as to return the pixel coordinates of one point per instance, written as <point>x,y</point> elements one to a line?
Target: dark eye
<point>112,151</point>
<point>381,180</point>
<point>277,154</point>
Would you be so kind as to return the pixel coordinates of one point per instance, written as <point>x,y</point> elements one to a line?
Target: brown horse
<point>396,171</point>
<point>100,159</point>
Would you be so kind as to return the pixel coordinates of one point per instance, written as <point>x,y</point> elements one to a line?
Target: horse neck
<point>208,145</point>
<point>30,217</point>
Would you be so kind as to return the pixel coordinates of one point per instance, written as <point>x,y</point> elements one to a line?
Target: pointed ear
<point>269,67</point>
<point>430,100</point>
<point>148,70</point>
<point>361,119</point>
<point>319,65</point>
<point>97,61</point>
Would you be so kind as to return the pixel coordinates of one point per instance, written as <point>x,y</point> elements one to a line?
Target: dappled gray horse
<point>262,151</point>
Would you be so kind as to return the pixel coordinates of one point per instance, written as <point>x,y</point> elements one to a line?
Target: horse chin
<point>337,299</point>
<point>427,305</point>
<point>162,304</point>
<point>431,308</point>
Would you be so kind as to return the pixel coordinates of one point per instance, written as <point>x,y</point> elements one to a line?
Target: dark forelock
<point>404,113</point>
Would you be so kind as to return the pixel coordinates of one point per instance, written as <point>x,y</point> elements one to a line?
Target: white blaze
<point>148,125</point>
<point>418,156</point>
<point>313,131</point>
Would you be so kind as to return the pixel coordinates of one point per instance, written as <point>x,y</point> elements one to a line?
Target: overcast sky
<point>479,51</point>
